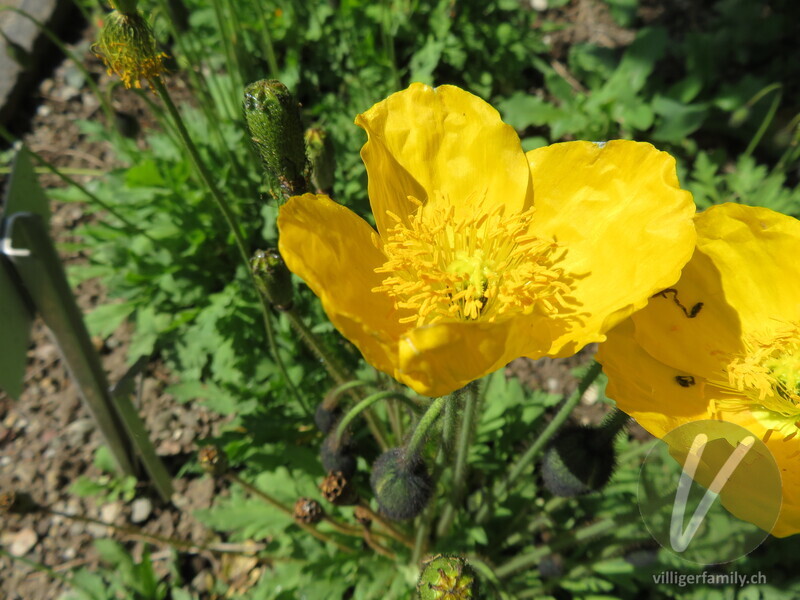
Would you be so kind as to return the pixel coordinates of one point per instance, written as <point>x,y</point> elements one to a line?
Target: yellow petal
<point>646,389</point>
<point>335,252</point>
<point>755,251</point>
<point>701,345</point>
<point>626,225</point>
<point>424,140</point>
<point>786,453</point>
<point>441,358</point>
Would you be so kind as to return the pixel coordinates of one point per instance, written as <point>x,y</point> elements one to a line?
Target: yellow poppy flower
<point>723,343</point>
<point>482,253</point>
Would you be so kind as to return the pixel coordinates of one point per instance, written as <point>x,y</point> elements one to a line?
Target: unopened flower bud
<point>401,484</point>
<point>273,278</point>
<point>582,459</point>
<point>325,418</point>
<point>337,489</point>
<point>212,460</point>
<point>447,578</point>
<point>128,48</point>
<point>322,158</point>
<point>308,510</point>
<point>336,455</point>
<point>273,118</point>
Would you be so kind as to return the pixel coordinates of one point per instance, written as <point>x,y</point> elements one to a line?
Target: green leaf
<point>104,320</point>
<point>678,120</point>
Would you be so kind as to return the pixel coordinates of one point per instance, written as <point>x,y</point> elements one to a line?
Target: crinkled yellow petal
<point>335,252</point>
<point>436,359</point>
<point>647,389</point>
<point>786,454</point>
<point>755,251</point>
<point>424,140</point>
<point>753,491</point>
<point>701,345</point>
<point>626,225</point>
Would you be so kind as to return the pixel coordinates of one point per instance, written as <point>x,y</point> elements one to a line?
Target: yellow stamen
<point>480,265</point>
<point>766,376</point>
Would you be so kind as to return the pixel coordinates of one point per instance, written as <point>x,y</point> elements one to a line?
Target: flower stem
<point>338,373</point>
<point>462,454</point>
<point>421,432</point>
<point>227,213</point>
<point>390,529</point>
<point>533,451</point>
<point>365,404</point>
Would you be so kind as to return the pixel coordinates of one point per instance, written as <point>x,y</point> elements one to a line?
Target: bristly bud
<point>325,418</point>
<point>447,578</point>
<point>212,460</point>
<point>273,278</point>
<point>401,484</point>
<point>21,503</point>
<point>273,119</point>
<point>337,489</point>
<point>336,455</point>
<point>322,158</point>
<point>308,510</point>
<point>128,48</point>
<point>582,459</point>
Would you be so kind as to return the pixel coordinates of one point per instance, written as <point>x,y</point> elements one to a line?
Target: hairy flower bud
<point>325,418</point>
<point>336,455</point>
<point>322,158</point>
<point>582,459</point>
<point>273,119</point>
<point>273,278</point>
<point>447,578</point>
<point>401,484</point>
<point>128,48</point>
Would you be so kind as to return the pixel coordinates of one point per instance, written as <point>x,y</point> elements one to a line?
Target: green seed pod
<point>273,120</point>
<point>447,578</point>
<point>582,459</point>
<point>401,484</point>
<point>322,159</point>
<point>273,278</point>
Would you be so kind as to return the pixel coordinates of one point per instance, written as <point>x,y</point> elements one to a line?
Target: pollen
<point>445,264</point>
<point>767,374</point>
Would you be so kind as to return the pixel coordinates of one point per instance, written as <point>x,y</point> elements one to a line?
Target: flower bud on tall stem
<point>273,119</point>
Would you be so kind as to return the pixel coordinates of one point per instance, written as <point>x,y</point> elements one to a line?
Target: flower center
<point>480,265</point>
<point>768,374</point>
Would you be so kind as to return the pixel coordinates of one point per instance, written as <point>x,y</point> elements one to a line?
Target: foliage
<point>696,88</point>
